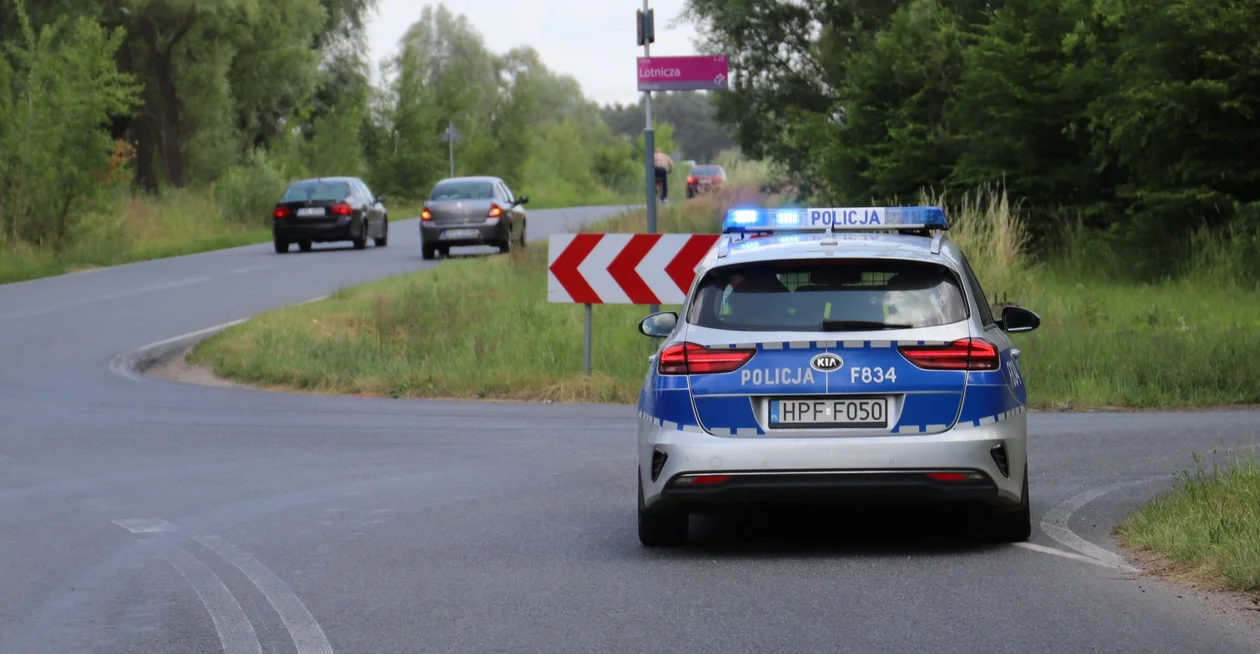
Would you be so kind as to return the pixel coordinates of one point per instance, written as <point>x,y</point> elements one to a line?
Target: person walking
<point>664,166</point>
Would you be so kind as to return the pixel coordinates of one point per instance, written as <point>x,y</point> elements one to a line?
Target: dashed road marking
<point>236,633</point>
<point>307,635</point>
<point>50,308</point>
<point>250,269</point>
<point>145,525</point>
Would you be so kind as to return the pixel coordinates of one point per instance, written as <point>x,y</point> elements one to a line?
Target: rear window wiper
<point>859,325</point>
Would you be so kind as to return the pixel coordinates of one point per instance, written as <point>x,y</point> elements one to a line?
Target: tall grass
<point>1208,527</point>
<point>135,228</point>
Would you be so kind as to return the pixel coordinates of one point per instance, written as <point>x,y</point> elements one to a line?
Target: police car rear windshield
<point>831,296</point>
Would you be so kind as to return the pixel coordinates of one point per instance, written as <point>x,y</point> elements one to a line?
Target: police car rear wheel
<point>661,528</point>
<point>1012,526</point>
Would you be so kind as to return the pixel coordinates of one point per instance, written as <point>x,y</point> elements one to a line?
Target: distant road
<point>147,516</point>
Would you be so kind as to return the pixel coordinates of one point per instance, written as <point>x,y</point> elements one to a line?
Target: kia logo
<point>825,362</point>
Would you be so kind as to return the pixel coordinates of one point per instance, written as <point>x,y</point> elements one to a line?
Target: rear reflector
<point>956,476</point>
<point>964,354</point>
<point>704,479</point>
<point>693,359</point>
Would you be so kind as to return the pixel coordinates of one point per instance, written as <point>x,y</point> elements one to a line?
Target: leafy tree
<point>59,88</point>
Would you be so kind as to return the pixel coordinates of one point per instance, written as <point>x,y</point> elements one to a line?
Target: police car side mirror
<point>659,325</point>
<point>1016,320</point>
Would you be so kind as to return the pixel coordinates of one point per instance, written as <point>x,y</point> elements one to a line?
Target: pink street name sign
<point>704,73</point>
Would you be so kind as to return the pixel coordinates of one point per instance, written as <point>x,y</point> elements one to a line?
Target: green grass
<point>483,328</point>
<point>1207,530</point>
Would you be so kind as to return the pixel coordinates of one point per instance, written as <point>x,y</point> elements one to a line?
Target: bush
<point>249,191</point>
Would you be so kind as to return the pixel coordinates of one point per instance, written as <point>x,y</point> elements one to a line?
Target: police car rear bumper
<point>973,465</point>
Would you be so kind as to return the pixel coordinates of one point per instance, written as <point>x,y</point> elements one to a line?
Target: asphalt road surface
<point>141,515</point>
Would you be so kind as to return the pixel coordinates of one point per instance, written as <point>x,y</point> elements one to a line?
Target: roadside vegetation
<point>132,130</point>
<point>482,327</point>
<point>1206,531</point>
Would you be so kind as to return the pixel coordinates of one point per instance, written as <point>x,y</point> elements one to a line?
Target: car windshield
<point>849,295</point>
<point>706,171</point>
<point>316,192</point>
<point>463,190</point>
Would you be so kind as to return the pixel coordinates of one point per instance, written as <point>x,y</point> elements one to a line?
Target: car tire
<point>282,247</point>
<point>428,252</point>
<point>444,251</point>
<point>305,246</point>
<point>1009,526</point>
<point>661,528</point>
<point>360,241</point>
<point>522,241</point>
<point>505,246</point>
<point>384,239</point>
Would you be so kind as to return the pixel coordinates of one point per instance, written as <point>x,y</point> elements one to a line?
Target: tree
<point>59,89</point>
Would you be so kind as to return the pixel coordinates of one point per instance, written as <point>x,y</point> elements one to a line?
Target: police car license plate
<point>829,413</point>
<point>459,233</point>
<point>310,211</point>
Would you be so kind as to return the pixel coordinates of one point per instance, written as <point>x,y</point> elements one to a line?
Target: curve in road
<point>146,516</point>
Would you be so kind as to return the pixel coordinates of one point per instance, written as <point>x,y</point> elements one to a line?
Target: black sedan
<point>329,209</point>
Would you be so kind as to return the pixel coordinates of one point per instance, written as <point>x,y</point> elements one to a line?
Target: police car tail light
<point>694,359</point>
<point>964,354</point>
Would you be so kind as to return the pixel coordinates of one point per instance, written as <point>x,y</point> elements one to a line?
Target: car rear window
<point>849,295</point>
<point>706,171</point>
<point>316,192</point>
<point>463,191</point>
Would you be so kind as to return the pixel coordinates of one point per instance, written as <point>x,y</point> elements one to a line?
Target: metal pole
<point>649,148</point>
<point>450,132</point>
<point>586,345</point>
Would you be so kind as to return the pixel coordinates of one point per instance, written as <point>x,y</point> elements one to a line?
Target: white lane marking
<point>249,269</point>
<point>1065,554</point>
<point>236,633</point>
<point>50,308</point>
<point>1055,524</point>
<point>145,525</point>
<point>308,637</point>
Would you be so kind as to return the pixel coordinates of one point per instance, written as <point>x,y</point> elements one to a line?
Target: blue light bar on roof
<point>838,219</point>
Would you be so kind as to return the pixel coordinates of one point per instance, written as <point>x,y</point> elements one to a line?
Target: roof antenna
<point>830,234</point>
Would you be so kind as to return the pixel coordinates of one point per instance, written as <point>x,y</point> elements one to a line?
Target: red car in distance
<point>705,178</point>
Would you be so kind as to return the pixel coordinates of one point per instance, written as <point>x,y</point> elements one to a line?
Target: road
<point>140,515</point>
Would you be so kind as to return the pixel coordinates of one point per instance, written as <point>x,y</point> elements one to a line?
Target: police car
<point>832,354</point>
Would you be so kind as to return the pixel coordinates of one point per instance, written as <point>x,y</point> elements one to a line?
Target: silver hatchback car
<point>832,355</point>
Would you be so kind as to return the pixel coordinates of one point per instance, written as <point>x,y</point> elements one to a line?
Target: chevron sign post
<point>622,269</point>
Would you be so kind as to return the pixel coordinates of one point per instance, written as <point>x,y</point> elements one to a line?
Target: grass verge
<point>1207,530</point>
<point>141,228</point>
<point>482,328</point>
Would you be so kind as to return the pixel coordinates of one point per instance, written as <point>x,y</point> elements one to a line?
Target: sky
<point>592,40</point>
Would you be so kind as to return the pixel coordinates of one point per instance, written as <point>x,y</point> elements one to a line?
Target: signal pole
<point>647,36</point>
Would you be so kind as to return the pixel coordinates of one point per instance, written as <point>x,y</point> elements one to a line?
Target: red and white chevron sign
<point>624,268</point>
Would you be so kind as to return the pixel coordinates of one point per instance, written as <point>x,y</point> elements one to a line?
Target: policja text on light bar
<point>838,219</point>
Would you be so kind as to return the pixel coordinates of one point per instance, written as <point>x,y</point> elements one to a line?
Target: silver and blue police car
<point>833,354</point>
